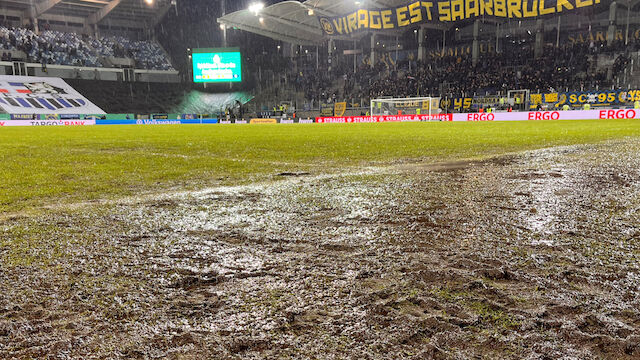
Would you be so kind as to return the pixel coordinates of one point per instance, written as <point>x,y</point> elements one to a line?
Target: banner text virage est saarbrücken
<point>418,12</point>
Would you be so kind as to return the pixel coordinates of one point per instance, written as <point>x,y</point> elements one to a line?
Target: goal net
<point>519,99</point>
<point>406,106</point>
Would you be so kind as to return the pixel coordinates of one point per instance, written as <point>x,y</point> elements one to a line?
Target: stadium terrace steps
<point>117,97</point>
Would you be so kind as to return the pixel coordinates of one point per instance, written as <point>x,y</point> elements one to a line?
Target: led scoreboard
<point>217,65</point>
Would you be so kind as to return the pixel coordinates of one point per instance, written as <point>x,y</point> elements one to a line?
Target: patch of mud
<point>293,174</point>
<point>532,256</point>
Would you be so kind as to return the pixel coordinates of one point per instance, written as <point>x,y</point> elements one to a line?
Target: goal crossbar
<point>406,106</point>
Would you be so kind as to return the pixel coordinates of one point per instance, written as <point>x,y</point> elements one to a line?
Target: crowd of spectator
<point>565,68</point>
<point>146,54</point>
<point>62,48</point>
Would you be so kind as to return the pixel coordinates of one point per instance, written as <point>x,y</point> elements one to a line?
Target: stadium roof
<point>133,13</point>
<point>292,21</point>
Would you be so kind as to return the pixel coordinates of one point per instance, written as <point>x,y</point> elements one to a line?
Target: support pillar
<point>397,46</point>
<point>287,50</point>
<point>223,8</point>
<point>558,32</point>
<point>498,38</point>
<point>330,53</point>
<point>32,16</point>
<point>626,36</point>
<point>444,42</point>
<point>295,55</point>
<point>355,57</point>
<point>475,52</point>
<point>422,51</point>
<point>611,31</point>
<point>539,46</point>
<point>373,50</point>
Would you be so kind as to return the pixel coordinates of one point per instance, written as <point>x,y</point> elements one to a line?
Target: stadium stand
<point>65,48</point>
<point>572,67</point>
<point>282,65</point>
<point>142,98</point>
<point>147,54</point>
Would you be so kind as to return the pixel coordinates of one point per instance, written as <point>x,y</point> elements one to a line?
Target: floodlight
<point>256,7</point>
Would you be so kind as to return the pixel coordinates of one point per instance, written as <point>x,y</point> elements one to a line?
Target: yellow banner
<point>578,99</point>
<point>418,12</point>
<point>340,109</point>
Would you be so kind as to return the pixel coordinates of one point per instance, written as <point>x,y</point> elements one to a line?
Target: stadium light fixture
<point>310,12</point>
<point>149,2</point>
<point>256,8</point>
<point>261,20</point>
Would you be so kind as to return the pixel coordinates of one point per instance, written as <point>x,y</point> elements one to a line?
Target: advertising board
<point>383,118</point>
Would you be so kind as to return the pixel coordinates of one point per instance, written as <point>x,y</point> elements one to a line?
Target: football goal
<point>406,106</point>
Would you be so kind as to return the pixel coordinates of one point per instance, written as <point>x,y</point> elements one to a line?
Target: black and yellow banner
<point>579,98</point>
<point>418,12</point>
<point>340,109</point>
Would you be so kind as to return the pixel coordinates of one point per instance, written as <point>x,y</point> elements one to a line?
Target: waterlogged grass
<point>47,166</point>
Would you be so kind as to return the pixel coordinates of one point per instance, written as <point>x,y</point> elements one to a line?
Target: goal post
<point>406,106</point>
<point>519,99</point>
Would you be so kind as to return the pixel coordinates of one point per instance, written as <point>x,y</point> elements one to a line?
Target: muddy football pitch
<point>356,241</point>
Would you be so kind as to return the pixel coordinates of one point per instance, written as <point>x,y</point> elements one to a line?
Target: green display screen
<point>217,65</point>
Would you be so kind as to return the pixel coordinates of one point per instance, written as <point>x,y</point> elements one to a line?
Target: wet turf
<point>527,256</point>
<point>48,166</point>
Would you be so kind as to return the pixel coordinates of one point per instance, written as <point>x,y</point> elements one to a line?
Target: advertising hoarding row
<point>600,114</point>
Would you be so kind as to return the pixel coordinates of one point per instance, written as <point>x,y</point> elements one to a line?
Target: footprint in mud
<point>192,280</point>
<point>293,174</point>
